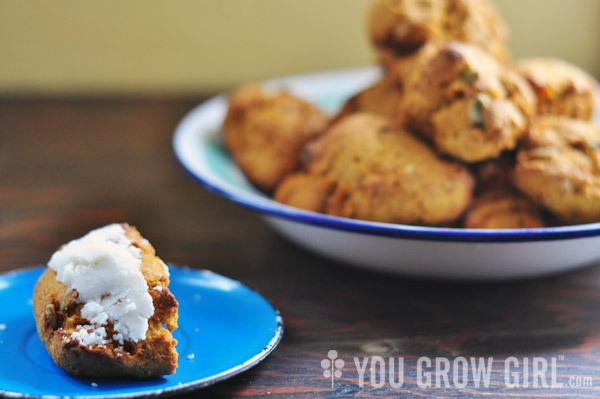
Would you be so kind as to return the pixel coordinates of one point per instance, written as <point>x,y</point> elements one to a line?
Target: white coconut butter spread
<point>104,267</point>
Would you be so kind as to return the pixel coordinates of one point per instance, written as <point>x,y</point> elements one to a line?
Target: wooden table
<point>67,166</point>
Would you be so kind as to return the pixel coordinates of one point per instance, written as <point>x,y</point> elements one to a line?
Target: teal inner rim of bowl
<point>219,160</point>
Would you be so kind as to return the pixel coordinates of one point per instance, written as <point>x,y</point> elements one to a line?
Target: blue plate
<point>224,329</point>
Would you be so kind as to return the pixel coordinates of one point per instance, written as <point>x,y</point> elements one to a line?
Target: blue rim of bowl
<point>177,389</point>
<point>272,208</point>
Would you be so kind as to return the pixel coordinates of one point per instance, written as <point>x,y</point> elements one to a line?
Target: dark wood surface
<point>67,166</point>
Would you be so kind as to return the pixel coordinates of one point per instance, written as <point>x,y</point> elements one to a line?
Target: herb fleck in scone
<point>103,307</point>
<point>467,104</point>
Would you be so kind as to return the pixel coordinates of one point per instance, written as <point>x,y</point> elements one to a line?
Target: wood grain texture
<point>69,166</point>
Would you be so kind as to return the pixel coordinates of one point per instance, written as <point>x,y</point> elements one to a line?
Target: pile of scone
<point>454,134</point>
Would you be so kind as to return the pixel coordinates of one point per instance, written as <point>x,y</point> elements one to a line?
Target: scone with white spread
<point>103,308</point>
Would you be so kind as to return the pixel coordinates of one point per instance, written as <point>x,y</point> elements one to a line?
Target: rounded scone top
<point>558,167</point>
<point>470,106</point>
<point>403,26</point>
<point>104,268</point>
<point>365,168</point>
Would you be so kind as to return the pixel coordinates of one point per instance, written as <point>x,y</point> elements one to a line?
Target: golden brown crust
<point>266,131</point>
<point>558,167</point>
<point>470,106</point>
<point>500,207</point>
<point>561,88</point>
<point>478,22</point>
<point>304,191</point>
<point>365,169</point>
<point>57,314</point>
<point>403,26</point>
<point>398,69</point>
<point>383,99</point>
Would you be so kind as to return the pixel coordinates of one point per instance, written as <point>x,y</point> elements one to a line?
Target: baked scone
<point>403,26</point>
<point>561,88</point>
<point>501,207</point>
<point>305,191</point>
<point>363,168</point>
<point>466,103</point>
<point>399,68</point>
<point>266,130</point>
<point>383,98</point>
<point>103,308</point>
<point>558,167</point>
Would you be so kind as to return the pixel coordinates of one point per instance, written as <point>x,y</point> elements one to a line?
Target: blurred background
<point>108,47</point>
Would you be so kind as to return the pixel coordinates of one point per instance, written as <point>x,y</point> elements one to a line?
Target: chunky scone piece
<point>465,102</point>
<point>501,207</point>
<point>498,205</point>
<point>266,130</point>
<point>558,167</point>
<point>561,88</point>
<point>103,307</point>
<point>383,98</point>
<point>399,69</point>
<point>365,169</point>
<point>403,26</point>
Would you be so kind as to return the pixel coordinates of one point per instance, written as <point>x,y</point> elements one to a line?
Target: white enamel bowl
<point>447,253</point>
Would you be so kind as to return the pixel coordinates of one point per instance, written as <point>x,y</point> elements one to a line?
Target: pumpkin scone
<point>501,207</point>
<point>265,131</point>
<point>103,307</point>
<point>305,191</point>
<point>383,98</point>
<point>399,69</point>
<point>403,26</point>
<point>467,104</point>
<point>558,167</point>
<point>561,88</point>
<point>363,168</point>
